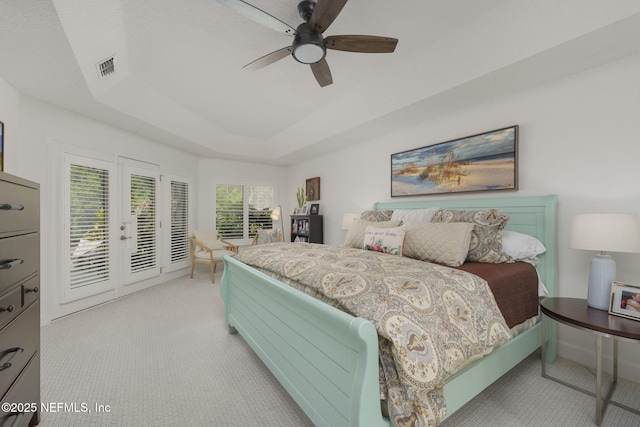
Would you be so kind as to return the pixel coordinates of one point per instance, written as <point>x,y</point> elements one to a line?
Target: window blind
<point>88,225</point>
<point>143,207</point>
<point>179,221</point>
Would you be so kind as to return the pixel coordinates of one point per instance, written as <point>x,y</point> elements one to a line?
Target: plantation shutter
<point>179,221</point>
<point>242,209</point>
<point>230,211</point>
<point>143,207</point>
<point>88,225</point>
<point>260,204</point>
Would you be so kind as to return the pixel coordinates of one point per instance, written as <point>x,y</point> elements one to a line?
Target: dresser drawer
<point>10,305</point>
<point>23,333</point>
<point>24,394</point>
<point>19,207</point>
<point>19,257</point>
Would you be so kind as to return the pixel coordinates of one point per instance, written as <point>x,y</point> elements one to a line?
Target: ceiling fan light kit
<point>309,47</point>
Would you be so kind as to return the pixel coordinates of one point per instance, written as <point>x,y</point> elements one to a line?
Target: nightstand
<point>576,313</point>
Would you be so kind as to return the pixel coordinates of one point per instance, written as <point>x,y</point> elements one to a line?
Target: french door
<point>140,226</point>
<point>109,233</point>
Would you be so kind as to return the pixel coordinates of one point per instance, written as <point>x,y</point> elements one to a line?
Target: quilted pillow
<point>385,240</point>
<point>486,241</point>
<point>442,243</point>
<point>355,235</point>
<point>376,216</point>
<point>414,215</point>
<point>267,236</point>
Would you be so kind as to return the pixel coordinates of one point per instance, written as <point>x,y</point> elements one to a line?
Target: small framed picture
<point>315,208</point>
<point>625,300</point>
<point>305,210</point>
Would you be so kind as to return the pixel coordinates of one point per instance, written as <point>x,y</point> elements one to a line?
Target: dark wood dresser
<point>19,301</point>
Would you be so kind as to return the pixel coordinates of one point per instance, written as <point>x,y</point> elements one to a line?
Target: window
<point>179,221</point>
<point>242,209</point>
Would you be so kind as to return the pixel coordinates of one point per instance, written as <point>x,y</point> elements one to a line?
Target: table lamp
<point>276,214</point>
<point>604,232</point>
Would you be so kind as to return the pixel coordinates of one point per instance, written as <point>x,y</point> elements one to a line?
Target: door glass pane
<point>143,208</point>
<point>179,221</point>
<point>88,225</point>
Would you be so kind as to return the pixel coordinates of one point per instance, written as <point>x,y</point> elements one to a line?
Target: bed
<point>328,360</point>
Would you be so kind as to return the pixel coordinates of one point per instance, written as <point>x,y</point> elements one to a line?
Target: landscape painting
<point>483,162</point>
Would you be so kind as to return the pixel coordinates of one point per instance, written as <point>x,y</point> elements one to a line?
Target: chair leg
<point>213,272</point>
<point>193,264</point>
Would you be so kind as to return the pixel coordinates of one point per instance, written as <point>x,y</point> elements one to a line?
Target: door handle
<point>124,237</point>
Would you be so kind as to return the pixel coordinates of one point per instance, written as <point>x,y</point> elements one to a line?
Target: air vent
<point>106,67</point>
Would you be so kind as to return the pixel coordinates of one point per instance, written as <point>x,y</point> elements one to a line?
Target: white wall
<point>579,139</point>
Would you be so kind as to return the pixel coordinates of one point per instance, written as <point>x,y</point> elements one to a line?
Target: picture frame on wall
<point>1,146</point>
<point>315,209</point>
<point>313,189</point>
<point>625,300</point>
<point>483,162</point>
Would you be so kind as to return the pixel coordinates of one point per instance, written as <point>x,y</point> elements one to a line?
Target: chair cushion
<point>209,238</point>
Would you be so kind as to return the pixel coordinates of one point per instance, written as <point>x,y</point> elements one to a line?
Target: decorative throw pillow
<point>355,235</point>
<point>267,236</point>
<point>385,240</point>
<point>486,241</point>
<point>414,215</point>
<point>442,243</point>
<point>376,216</point>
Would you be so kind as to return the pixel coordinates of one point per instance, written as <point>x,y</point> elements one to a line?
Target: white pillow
<point>414,215</point>
<point>443,243</point>
<point>355,235</point>
<point>521,247</point>
<point>385,240</point>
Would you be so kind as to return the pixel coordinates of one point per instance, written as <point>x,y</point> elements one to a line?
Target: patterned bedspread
<point>431,319</point>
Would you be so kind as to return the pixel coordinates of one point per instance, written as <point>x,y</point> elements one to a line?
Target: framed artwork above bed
<point>483,162</point>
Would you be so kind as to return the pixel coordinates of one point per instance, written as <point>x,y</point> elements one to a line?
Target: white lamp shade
<point>275,215</point>
<point>347,220</point>
<point>605,232</point>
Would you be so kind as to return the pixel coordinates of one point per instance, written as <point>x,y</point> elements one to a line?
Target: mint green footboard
<point>326,359</point>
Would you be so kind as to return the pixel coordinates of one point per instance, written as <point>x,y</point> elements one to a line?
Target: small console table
<point>576,313</point>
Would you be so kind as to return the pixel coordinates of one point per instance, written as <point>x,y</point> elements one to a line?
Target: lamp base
<point>602,273</point>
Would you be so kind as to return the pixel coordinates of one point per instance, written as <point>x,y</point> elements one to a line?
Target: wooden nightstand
<point>576,313</point>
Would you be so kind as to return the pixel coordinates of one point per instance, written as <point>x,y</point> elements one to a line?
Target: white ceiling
<point>179,77</point>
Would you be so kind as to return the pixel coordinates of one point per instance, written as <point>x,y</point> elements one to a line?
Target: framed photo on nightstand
<point>625,300</point>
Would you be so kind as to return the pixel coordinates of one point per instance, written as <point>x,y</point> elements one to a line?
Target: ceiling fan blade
<point>258,15</point>
<point>366,44</point>
<point>322,73</point>
<point>268,59</point>
<point>324,13</point>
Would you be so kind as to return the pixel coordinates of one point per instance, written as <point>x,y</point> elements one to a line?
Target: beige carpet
<point>162,357</point>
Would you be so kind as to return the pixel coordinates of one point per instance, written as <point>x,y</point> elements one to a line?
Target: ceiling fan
<point>309,47</point>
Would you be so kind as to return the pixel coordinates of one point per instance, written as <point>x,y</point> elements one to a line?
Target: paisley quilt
<point>430,319</point>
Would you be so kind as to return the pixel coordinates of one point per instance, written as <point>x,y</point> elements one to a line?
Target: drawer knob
<point>5,265</point>
<point>10,207</point>
<point>9,309</point>
<point>34,290</point>
<point>16,351</point>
